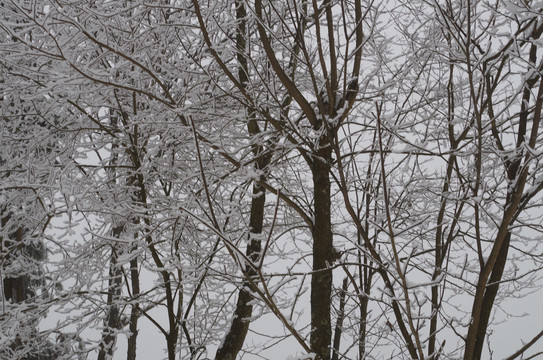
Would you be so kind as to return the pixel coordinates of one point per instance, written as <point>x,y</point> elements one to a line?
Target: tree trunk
<point>112,321</point>
<point>339,323</point>
<point>235,337</point>
<point>321,281</point>
<point>134,315</point>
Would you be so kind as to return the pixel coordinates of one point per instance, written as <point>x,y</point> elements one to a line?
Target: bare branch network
<point>257,179</point>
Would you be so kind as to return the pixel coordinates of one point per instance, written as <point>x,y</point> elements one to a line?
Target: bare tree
<point>204,168</point>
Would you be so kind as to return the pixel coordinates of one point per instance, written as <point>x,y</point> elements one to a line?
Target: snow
<point>309,356</point>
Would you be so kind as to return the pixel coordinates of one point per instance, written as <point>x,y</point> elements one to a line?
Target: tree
<point>27,158</point>
<point>204,168</point>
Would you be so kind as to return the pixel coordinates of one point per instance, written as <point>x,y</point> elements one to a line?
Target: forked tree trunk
<point>492,273</point>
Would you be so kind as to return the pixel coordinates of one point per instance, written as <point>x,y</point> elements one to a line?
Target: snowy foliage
<point>169,165</point>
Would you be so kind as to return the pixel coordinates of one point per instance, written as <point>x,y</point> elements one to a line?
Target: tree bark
<point>235,337</point>
<point>492,272</point>
<point>112,321</point>
<point>339,323</point>
<point>321,281</point>
<point>134,315</point>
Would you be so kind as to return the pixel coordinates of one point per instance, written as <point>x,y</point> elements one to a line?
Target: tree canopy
<point>246,179</point>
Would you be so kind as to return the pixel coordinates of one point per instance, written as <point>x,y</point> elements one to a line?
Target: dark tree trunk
<point>113,317</point>
<point>134,315</point>
<point>15,287</point>
<point>339,323</point>
<point>235,337</point>
<point>491,274</point>
<point>321,281</point>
